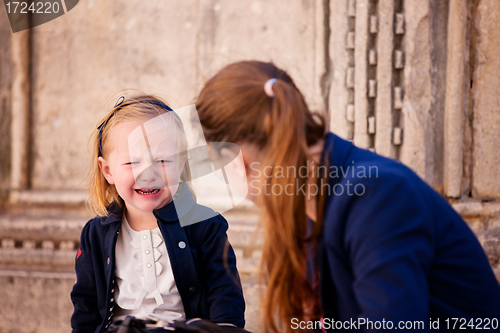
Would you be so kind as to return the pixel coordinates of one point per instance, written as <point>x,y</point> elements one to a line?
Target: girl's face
<point>142,164</point>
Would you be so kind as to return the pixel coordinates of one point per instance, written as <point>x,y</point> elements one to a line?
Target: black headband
<point>120,105</point>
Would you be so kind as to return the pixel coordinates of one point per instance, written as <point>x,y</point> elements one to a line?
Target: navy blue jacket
<point>394,249</point>
<point>200,270</point>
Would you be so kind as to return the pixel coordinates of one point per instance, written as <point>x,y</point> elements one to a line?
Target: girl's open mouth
<point>146,191</point>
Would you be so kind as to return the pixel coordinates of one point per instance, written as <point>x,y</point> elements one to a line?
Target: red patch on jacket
<point>79,253</point>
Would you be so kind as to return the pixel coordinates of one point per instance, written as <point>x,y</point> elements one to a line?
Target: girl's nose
<point>147,175</point>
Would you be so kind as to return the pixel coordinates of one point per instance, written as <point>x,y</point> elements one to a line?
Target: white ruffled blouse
<point>145,284</point>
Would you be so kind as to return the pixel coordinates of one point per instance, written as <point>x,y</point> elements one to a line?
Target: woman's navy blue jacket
<point>208,284</point>
<point>392,248</point>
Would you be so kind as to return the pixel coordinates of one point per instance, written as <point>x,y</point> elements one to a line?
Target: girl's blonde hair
<point>139,107</point>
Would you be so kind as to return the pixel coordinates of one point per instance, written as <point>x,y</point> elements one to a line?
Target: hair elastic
<point>118,106</point>
<point>268,87</point>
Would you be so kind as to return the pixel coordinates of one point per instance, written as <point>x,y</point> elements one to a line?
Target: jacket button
<point>192,289</point>
<point>182,245</point>
<point>108,261</point>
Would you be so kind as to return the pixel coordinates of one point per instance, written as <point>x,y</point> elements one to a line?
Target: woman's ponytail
<point>284,246</point>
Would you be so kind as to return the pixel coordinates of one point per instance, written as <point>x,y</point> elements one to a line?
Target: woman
<point>357,240</point>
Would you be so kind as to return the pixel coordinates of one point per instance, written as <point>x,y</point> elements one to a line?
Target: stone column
<point>415,85</point>
<point>361,107</point>
<point>20,110</point>
<point>386,104</point>
<point>455,99</point>
<point>341,51</point>
<point>6,74</point>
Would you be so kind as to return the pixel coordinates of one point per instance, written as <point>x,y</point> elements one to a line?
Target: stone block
<point>486,89</point>
<point>350,42</point>
<point>373,24</point>
<point>372,88</point>
<point>400,24</point>
<point>424,82</point>
<point>35,302</point>
<point>397,138</point>
<point>372,57</point>
<point>398,98</point>
<point>351,8</point>
<point>41,259</point>
<point>371,125</point>
<point>350,113</point>
<point>484,220</point>
<point>41,228</point>
<point>65,197</point>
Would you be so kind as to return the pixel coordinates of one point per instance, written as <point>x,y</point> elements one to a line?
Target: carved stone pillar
<point>389,65</point>
<point>20,110</point>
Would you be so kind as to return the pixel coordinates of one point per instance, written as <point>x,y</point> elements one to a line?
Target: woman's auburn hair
<point>233,107</point>
<point>138,107</point>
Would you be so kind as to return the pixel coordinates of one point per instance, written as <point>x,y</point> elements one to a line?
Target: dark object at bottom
<point>128,325</point>
<point>134,325</point>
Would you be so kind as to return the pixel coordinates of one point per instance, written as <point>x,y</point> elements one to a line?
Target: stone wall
<point>416,81</point>
<point>87,56</point>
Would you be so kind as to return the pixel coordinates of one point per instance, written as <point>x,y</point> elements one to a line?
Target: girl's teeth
<point>148,192</point>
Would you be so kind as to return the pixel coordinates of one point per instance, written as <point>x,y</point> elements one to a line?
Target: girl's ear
<point>105,169</point>
<point>181,164</point>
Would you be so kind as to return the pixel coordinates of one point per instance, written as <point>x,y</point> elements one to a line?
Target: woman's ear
<point>106,170</point>
<point>251,156</point>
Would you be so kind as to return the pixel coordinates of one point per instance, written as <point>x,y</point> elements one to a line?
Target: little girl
<point>134,257</point>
